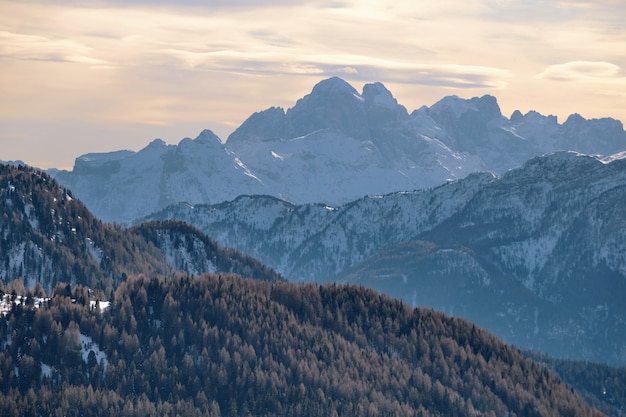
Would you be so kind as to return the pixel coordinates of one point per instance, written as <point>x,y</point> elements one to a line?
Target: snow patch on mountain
<point>87,345</point>
<point>94,251</point>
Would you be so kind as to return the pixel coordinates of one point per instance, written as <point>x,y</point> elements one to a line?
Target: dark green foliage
<point>222,345</point>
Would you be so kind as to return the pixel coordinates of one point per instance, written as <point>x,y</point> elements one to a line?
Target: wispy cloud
<point>582,70</point>
<point>42,48</point>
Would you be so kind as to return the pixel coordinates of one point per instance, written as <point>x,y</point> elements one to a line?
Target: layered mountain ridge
<point>333,146</point>
<point>529,247</point>
<point>532,253</point>
<point>164,340</point>
<point>536,255</point>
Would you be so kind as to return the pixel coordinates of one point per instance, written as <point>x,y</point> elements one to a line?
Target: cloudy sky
<point>94,76</point>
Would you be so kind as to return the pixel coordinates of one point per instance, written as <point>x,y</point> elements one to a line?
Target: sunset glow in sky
<point>96,76</point>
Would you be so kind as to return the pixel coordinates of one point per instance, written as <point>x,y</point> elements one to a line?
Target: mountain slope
<point>188,249</point>
<point>333,146</point>
<point>123,185</point>
<point>226,346</point>
<point>48,236</point>
<point>536,256</point>
<point>601,386</point>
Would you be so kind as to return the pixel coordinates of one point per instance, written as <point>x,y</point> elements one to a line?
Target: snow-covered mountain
<point>123,185</point>
<point>536,255</point>
<point>333,146</point>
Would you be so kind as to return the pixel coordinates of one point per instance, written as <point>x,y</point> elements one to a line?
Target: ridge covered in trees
<point>48,236</point>
<point>600,385</point>
<point>196,248</point>
<point>219,345</point>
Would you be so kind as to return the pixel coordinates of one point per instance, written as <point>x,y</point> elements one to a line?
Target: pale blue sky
<point>93,76</point>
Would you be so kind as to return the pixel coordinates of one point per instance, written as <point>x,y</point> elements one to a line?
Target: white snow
<point>536,328</point>
<point>28,210</point>
<point>88,345</point>
<point>611,158</point>
<point>103,304</point>
<point>46,370</point>
<point>246,170</point>
<point>6,304</point>
<point>358,97</point>
<point>95,252</point>
<point>277,156</point>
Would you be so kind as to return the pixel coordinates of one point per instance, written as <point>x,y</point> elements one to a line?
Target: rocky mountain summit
<point>333,146</point>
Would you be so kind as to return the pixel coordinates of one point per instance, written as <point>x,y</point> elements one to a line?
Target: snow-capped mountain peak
<point>382,108</point>
<point>208,137</point>
<point>268,124</point>
<point>378,95</point>
<point>333,146</point>
<point>334,105</point>
<point>332,87</point>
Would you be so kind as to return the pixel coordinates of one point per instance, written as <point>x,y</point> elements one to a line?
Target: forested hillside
<point>220,345</point>
<point>188,249</point>
<point>602,386</point>
<point>48,236</point>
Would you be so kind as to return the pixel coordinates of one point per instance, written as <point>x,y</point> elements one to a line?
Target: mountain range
<point>535,252</point>
<point>333,146</point>
<point>529,246</point>
<point>535,255</point>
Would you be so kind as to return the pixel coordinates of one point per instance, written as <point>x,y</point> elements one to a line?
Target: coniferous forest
<point>600,385</point>
<point>220,345</point>
<point>48,236</point>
